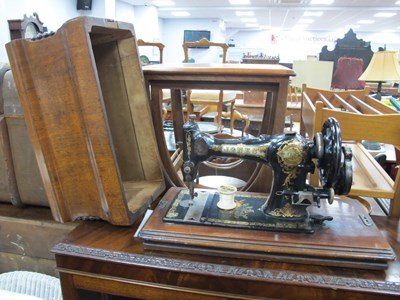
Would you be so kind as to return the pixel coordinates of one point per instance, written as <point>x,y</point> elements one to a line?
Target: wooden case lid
<point>85,103</point>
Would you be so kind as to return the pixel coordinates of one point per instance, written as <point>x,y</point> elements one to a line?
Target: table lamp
<point>384,66</point>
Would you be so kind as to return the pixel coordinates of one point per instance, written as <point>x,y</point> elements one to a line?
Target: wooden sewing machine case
<point>85,103</point>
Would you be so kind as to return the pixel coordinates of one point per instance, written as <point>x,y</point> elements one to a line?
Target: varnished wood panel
<point>73,109</point>
<point>344,241</point>
<point>100,257</point>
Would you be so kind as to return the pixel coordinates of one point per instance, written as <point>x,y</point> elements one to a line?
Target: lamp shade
<point>384,66</point>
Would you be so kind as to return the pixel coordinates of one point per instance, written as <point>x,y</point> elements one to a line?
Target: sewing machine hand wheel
<point>335,168</point>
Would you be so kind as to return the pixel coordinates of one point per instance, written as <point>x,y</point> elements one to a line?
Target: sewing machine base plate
<point>247,214</point>
<point>351,239</point>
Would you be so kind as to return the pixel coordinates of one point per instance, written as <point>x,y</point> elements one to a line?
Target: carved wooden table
<point>100,258</point>
<point>273,79</point>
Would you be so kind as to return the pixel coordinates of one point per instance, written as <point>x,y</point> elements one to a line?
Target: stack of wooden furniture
<point>361,117</point>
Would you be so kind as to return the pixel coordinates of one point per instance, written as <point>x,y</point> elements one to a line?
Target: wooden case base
<point>351,239</point>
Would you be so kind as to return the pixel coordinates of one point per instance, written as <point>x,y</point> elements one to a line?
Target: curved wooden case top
<point>86,108</point>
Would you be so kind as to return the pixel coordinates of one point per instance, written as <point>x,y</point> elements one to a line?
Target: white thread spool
<point>226,197</point>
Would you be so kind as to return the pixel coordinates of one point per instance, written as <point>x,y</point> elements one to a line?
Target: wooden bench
<point>361,118</point>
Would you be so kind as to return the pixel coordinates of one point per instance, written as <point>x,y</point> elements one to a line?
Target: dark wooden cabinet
<point>108,259</point>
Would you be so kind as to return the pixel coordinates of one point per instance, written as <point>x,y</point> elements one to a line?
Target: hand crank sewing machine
<point>291,158</point>
<point>271,226</point>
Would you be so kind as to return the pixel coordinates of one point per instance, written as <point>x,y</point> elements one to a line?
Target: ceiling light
<point>397,3</point>
<point>313,14</point>
<point>180,13</point>
<point>366,22</point>
<point>163,3</point>
<point>306,21</point>
<point>248,20</point>
<point>251,25</point>
<point>239,2</point>
<point>300,26</point>
<point>323,2</point>
<point>245,13</point>
<point>384,14</point>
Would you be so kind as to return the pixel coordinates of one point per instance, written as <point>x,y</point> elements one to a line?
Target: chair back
<point>204,43</point>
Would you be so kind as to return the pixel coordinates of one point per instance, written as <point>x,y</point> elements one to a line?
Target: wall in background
<point>52,13</point>
<point>288,45</point>
<point>292,46</point>
<point>172,38</point>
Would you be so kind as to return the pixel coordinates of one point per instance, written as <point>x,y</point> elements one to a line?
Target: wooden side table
<point>260,77</point>
<point>101,258</point>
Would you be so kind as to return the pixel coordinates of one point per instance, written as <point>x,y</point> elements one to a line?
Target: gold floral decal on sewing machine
<point>189,143</point>
<point>172,213</point>
<point>287,211</point>
<point>290,155</point>
<point>243,150</point>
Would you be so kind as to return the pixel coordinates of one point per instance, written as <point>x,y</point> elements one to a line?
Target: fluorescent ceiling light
<point>313,14</point>
<point>384,14</point>
<point>251,25</point>
<point>306,21</point>
<point>397,3</point>
<point>245,13</point>
<point>323,2</point>
<point>300,26</point>
<point>163,3</point>
<point>180,13</point>
<point>366,22</point>
<point>239,2</point>
<point>248,20</point>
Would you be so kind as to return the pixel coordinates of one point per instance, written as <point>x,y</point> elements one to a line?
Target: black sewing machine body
<point>291,157</point>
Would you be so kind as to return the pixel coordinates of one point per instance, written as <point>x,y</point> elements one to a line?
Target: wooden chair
<point>359,120</point>
<point>166,94</point>
<point>158,45</point>
<point>212,98</point>
<point>176,156</point>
